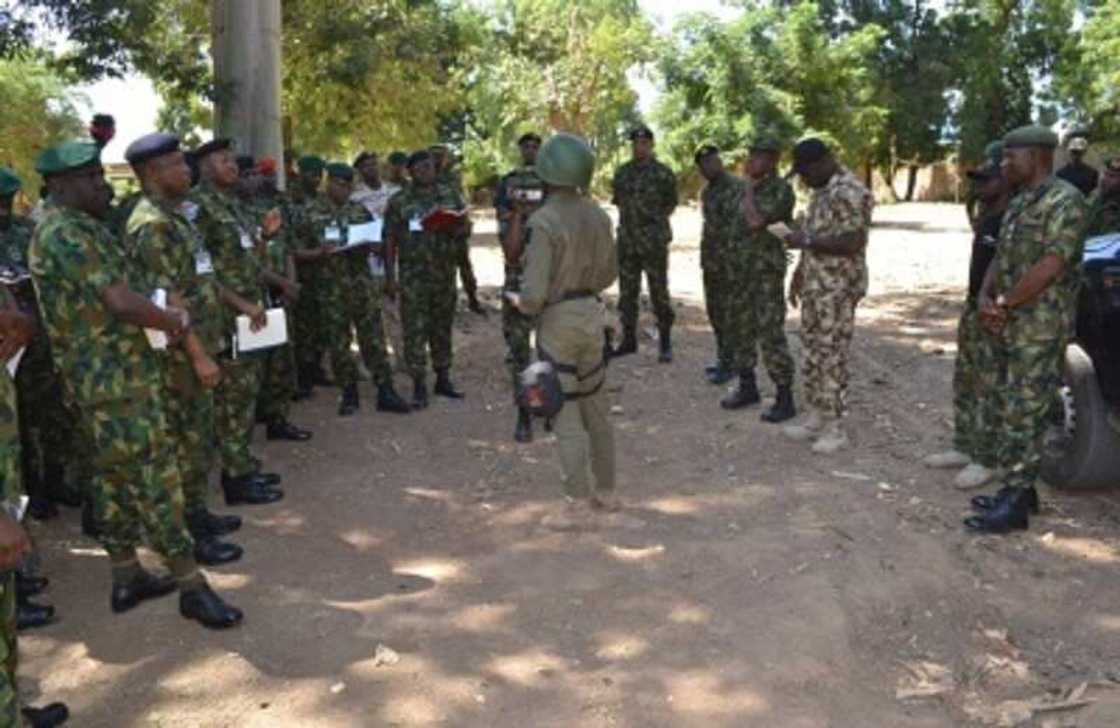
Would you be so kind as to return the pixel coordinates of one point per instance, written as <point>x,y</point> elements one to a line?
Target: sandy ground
<point>406,579</point>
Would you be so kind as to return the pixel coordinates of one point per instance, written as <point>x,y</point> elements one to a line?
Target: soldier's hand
<point>258,318</point>
<point>14,543</point>
<point>291,292</point>
<point>208,372</point>
<point>797,239</point>
<point>181,322</point>
<point>272,223</point>
<point>795,289</point>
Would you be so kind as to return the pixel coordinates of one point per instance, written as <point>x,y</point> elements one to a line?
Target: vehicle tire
<point>1089,456</point>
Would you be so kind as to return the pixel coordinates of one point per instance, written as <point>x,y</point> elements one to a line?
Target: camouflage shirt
<point>332,224</point>
<point>843,205</point>
<point>1103,216</point>
<point>167,252</point>
<point>73,259</point>
<point>10,483</point>
<point>723,218</point>
<point>774,200</point>
<point>15,239</point>
<point>408,207</point>
<point>1045,220</point>
<point>229,236</point>
<point>646,195</point>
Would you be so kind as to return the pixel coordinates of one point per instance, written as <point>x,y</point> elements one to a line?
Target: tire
<point>1089,455</point>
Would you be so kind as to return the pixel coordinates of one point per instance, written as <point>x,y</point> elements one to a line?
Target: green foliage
<point>1088,74</point>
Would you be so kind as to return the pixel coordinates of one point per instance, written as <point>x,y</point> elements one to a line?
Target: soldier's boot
<point>220,524</point>
<point>208,550</point>
<point>30,615</point>
<point>745,395</point>
<point>720,374</point>
<point>524,430</point>
<point>1007,514</point>
<point>49,716</point>
<point>783,408</point>
<point>90,527</point>
<point>28,583</point>
<point>279,428</point>
<point>349,404</point>
<point>665,339</point>
<point>629,343</point>
<point>987,502</point>
<point>39,506</point>
<point>444,387</point>
<point>142,587</point>
<point>207,608</point>
<point>389,401</point>
<point>419,393</point>
<point>249,489</point>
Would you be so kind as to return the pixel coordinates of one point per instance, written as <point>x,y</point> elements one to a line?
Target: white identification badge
<point>416,225</point>
<point>203,263</point>
<point>333,234</point>
<point>376,266</point>
<point>246,241</point>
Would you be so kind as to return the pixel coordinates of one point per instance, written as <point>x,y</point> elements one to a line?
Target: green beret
<point>9,182</point>
<point>67,156</point>
<point>1031,136</point>
<point>994,152</point>
<point>340,170</point>
<point>398,158</point>
<point>311,165</point>
<point>765,144</point>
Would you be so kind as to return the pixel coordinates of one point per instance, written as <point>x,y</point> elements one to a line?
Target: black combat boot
<point>208,550</point>
<point>665,339</point>
<point>629,343</point>
<point>988,502</point>
<point>90,526</point>
<point>745,395</point>
<point>719,374</point>
<point>783,408</point>
<point>419,394</point>
<point>524,430</point>
<point>279,428</point>
<point>28,584</point>
<point>444,387</point>
<point>207,608</point>
<point>145,586</point>
<point>30,615</point>
<point>349,403</point>
<point>249,489</point>
<point>389,401</point>
<point>220,524</point>
<point>48,716</point>
<point>1007,514</point>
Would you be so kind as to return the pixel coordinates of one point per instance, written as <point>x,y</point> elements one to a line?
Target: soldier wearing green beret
<point>1104,203</point>
<point>305,191</point>
<point>398,169</point>
<point>351,302</point>
<point>720,240</point>
<point>449,176</point>
<point>95,321</point>
<point>1027,303</point>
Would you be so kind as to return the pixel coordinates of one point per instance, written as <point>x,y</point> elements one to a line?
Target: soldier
<point>94,320</point>
<point>169,254</point>
<point>398,169</point>
<point>351,300</point>
<point>720,241</point>
<point>446,174</point>
<point>1079,174</point>
<point>830,280</point>
<point>230,237</point>
<point>973,428</point>
<point>310,261</point>
<point>427,276</point>
<point>758,320</point>
<point>1104,204</point>
<point>570,261</point>
<point>522,185</point>
<point>645,192</point>
<point>1028,301</point>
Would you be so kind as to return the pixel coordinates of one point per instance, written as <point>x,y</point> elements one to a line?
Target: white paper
<point>156,338</point>
<point>13,363</point>
<point>273,335</point>
<point>780,229</point>
<point>416,225</point>
<point>246,241</point>
<point>333,234</point>
<point>366,233</point>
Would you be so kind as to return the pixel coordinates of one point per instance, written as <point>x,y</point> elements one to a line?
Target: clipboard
<point>363,235</point>
<point>247,341</point>
<point>443,221</point>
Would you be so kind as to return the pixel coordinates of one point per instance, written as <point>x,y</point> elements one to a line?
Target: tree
<point>1087,76</point>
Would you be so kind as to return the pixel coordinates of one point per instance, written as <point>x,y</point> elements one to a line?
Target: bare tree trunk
<point>911,182</point>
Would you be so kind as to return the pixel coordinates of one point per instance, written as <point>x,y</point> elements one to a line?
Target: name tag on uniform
<point>416,225</point>
<point>246,241</point>
<point>332,234</point>
<point>203,263</point>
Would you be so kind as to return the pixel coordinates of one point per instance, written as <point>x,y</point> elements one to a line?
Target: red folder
<point>443,221</point>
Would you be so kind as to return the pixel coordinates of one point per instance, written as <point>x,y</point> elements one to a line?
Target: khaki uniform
<point>571,260</point>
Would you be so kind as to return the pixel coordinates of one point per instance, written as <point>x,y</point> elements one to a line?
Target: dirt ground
<point>406,580</point>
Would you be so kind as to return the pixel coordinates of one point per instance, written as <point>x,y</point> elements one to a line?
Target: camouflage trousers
<point>1030,376</point>
<point>716,294</point>
<point>235,409</point>
<point>974,391</point>
<point>428,302</point>
<point>306,320</point>
<point>46,424</point>
<point>9,653</point>
<point>278,383</point>
<point>394,330</point>
<point>517,329</point>
<point>466,268</point>
<point>190,412</point>
<point>353,306</point>
<point>138,488</point>
<point>827,325</point>
<point>757,320</point>
<point>635,257</point>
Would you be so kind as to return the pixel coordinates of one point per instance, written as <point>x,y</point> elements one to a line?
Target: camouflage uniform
<point>111,373</point>
<point>427,275</point>
<point>228,235</point>
<point>376,203</point>
<point>10,489</point>
<point>832,288</point>
<point>168,253</point>
<point>721,245</point>
<point>646,195</point>
<point>351,301</point>
<point>1042,221</point>
<point>461,244</point>
<point>278,370</point>
<point>757,311</point>
<point>307,324</point>
<point>1103,216</point>
<point>516,326</point>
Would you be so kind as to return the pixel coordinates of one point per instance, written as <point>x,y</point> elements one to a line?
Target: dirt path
<point>750,583</point>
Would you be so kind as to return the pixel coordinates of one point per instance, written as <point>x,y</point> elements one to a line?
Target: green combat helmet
<point>566,160</point>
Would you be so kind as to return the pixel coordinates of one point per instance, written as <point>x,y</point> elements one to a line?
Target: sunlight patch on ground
<point>1108,621</point>
<point>224,581</point>
<point>87,552</point>
<point>361,539</point>
<point>285,524</point>
<point>673,506</point>
<point>436,569</point>
<point>482,617</point>
<point>1089,549</point>
<point>690,614</point>
<point>429,494</point>
<point>614,646</point>
<point>530,669</point>
<point>704,693</point>
<point>635,553</point>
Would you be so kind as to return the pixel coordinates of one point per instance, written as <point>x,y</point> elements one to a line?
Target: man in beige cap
<point>1079,174</point>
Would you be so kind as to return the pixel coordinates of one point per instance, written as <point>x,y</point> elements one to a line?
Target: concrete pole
<point>247,68</point>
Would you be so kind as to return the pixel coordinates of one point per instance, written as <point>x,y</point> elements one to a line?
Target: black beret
<point>529,137</point>
<point>151,146</point>
<point>397,158</point>
<point>417,157</point>
<point>245,162</point>
<point>641,132</point>
<point>807,152</point>
<point>363,157</point>
<point>705,151</point>
<point>214,145</point>
<point>103,120</point>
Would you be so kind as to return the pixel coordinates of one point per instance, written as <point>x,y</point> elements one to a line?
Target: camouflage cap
<point>340,170</point>
<point>10,182</point>
<point>310,164</point>
<point>705,151</point>
<point>764,143</point>
<point>66,157</point>
<point>1031,136</point>
<point>398,158</point>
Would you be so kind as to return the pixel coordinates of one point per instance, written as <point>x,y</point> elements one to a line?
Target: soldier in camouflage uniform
<point>1104,203</point>
<point>446,174</point>
<point>230,236</point>
<point>830,280</point>
<point>645,192</point>
<point>305,248</point>
<point>1028,302</point>
<point>721,244</point>
<point>94,320</point>
<point>168,253</point>
<point>519,185</point>
<point>351,302</point>
<point>426,263</point>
